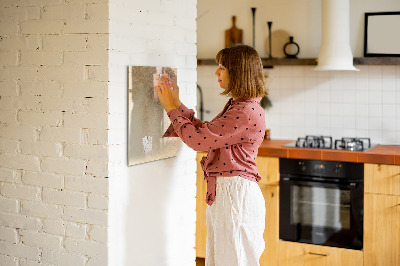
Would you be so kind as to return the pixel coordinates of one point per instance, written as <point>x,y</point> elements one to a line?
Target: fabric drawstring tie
<point>210,196</point>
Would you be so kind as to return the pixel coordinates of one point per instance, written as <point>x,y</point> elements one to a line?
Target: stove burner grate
<point>353,144</point>
<point>326,142</point>
<point>322,142</point>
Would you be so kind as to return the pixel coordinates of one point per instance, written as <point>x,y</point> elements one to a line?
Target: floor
<point>200,262</point>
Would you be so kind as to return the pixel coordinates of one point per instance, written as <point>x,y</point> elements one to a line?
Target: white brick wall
<point>53,135</point>
<point>60,139</point>
<point>152,205</point>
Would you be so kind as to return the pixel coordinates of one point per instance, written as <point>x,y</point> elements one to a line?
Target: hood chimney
<point>335,52</point>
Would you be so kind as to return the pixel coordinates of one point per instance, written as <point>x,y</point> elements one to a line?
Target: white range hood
<point>335,52</point>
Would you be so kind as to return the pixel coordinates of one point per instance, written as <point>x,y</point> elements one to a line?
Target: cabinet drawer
<point>299,254</point>
<point>382,179</point>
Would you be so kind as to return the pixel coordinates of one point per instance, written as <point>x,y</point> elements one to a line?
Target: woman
<point>236,211</point>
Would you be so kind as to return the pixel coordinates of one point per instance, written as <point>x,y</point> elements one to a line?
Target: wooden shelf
<point>377,61</point>
<point>289,62</point>
<point>269,63</point>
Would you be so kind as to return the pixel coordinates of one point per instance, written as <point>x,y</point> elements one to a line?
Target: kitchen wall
<point>63,135</point>
<point>337,103</point>
<point>341,104</point>
<point>300,19</point>
<point>152,205</point>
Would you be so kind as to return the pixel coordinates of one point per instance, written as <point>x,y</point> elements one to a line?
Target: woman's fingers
<point>168,81</point>
<point>164,87</point>
<point>163,90</point>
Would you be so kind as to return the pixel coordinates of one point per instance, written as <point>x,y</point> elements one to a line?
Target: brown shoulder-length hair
<point>245,69</point>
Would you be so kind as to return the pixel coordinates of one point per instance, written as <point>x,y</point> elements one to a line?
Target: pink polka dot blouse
<point>232,139</point>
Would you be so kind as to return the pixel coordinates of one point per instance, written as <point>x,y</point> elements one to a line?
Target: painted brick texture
<point>63,79</point>
<point>53,135</point>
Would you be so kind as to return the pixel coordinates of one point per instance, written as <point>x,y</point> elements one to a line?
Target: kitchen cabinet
<point>382,179</point>
<point>300,254</point>
<point>269,170</point>
<point>382,215</point>
<point>269,185</point>
<point>271,232</point>
<point>201,205</point>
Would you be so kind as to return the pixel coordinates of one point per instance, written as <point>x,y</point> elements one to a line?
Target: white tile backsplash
<point>389,124</point>
<point>323,95</point>
<point>389,110</point>
<point>336,109</point>
<point>363,103</point>
<point>375,83</point>
<point>362,97</point>
<point>375,110</point>
<point>310,108</point>
<point>389,97</point>
<point>362,123</point>
<point>323,108</point>
<point>362,110</point>
<point>375,97</point>
<point>336,96</point>
<point>389,83</point>
<point>349,122</point>
<point>336,122</point>
<point>349,96</point>
<point>348,109</point>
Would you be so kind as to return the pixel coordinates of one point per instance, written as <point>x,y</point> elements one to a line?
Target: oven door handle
<point>319,182</point>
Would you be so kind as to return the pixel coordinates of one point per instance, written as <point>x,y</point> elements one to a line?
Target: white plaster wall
<point>152,205</point>
<point>53,132</point>
<point>301,19</point>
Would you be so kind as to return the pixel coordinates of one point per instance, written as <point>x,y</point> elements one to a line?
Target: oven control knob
<point>338,168</point>
<point>302,166</point>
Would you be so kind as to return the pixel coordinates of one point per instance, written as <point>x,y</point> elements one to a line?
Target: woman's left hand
<point>165,96</point>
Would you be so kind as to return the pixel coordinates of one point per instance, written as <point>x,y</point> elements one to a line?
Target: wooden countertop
<point>380,154</point>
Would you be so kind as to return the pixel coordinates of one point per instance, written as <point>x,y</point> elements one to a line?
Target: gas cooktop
<point>326,142</point>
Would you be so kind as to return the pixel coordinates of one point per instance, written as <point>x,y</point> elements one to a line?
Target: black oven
<point>321,202</point>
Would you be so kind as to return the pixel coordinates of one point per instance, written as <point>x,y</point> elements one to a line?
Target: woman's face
<point>223,76</point>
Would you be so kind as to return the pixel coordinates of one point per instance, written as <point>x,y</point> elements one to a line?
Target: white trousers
<point>235,223</point>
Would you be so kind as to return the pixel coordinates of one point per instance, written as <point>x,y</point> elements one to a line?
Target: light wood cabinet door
<point>271,232</point>
<point>299,254</point>
<point>201,205</point>
<point>268,167</point>
<point>381,230</point>
<point>382,179</point>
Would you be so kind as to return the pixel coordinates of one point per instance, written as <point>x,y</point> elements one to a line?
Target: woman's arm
<point>233,127</point>
<point>186,112</point>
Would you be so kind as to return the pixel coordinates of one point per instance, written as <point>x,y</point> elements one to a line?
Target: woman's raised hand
<point>175,91</point>
<point>165,96</point>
